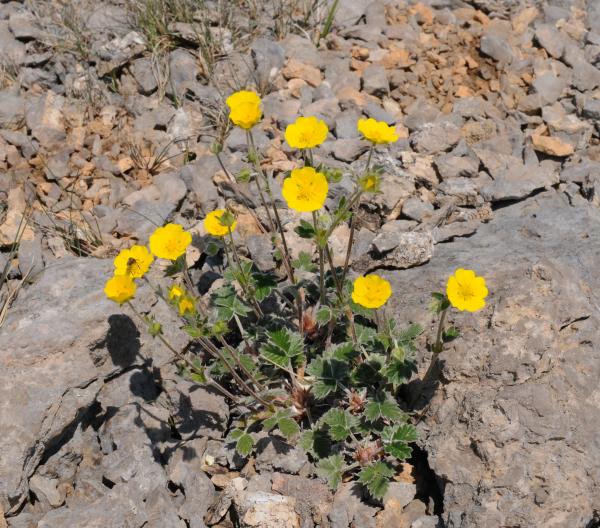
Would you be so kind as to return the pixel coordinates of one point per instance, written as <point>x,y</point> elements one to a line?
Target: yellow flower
<point>466,291</point>
<point>169,242</point>
<point>377,131</point>
<point>305,190</point>
<point>371,291</point>
<point>306,132</point>
<point>134,261</point>
<point>175,292</point>
<point>120,288</point>
<point>244,108</point>
<point>213,225</point>
<point>186,305</point>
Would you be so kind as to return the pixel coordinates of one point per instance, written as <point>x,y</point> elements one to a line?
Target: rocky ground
<point>107,116</point>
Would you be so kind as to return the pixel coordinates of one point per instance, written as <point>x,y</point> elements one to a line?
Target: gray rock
<point>182,73</point>
<point>345,125</point>
<point>518,181</point>
<point>23,26</point>
<point>496,47</point>
<point>374,110</point>
<point>519,460</point>
<point>402,492</point>
<point>31,257</point>
<point>12,110</point>
<point>435,137</point>
<point>416,209</point>
<point>269,58</point>
<point>406,250</point>
<point>52,367</point>
<point>450,166</point>
<point>549,87</point>
<point>349,149</point>
<point>260,508</point>
<point>585,76</point>
<point>550,39</point>
<point>426,521</point>
<point>145,76</point>
<point>349,510</point>
<point>375,81</point>
<point>261,250</point>
<point>302,49</point>
<point>13,51</point>
<point>275,454</point>
<point>44,117</point>
<point>197,411</point>
<point>171,187</point>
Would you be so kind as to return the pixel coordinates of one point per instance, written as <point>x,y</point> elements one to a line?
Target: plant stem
<point>260,171</point>
<point>439,345</point>
<point>236,191</point>
<point>244,282</point>
<point>321,263</point>
<point>181,357</point>
<point>236,358</point>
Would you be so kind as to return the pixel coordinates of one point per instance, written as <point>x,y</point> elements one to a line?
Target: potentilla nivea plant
<point>324,368</point>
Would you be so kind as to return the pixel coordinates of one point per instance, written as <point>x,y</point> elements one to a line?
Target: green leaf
<point>439,302</point>
<point>229,304</point>
<point>176,266</point>
<point>316,442</point>
<point>283,348</point>
<point>340,423</point>
<point>369,373</point>
<point>330,373</point>
<point>193,331</point>
<point>244,444</point>
<point>398,372</point>
<point>342,351</point>
<point>332,470</point>
<point>263,285</point>
<point>288,427</point>
<point>305,230</point>
<point>365,334</point>
<point>383,406</point>
<point>376,478</point>
<point>324,315</point>
<point>396,439</point>
<point>450,334</point>
<point>304,262</point>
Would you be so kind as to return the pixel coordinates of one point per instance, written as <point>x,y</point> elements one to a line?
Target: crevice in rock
<point>501,204</point>
<point>430,487</point>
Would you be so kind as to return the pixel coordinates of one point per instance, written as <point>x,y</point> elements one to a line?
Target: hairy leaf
<point>283,348</point>
<point>340,423</point>
<point>316,442</point>
<point>330,373</point>
<point>376,478</point>
<point>305,230</point>
<point>396,439</point>
<point>304,262</point>
<point>383,406</point>
<point>331,469</point>
<point>244,442</point>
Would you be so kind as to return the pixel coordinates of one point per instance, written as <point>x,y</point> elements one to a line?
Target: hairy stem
<point>321,263</point>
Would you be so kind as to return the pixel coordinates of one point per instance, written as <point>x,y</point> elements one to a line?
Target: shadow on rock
<point>122,340</point>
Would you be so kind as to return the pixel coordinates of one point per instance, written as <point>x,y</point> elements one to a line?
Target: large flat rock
<point>511,431</point>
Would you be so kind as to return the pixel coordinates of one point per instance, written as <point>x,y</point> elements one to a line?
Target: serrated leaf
<point>236,433</point>
<point>283,348</point>
<point>376,478</point>
<point>304,262</point>
<point>305,230</point>
<point>288,427</point>
<point>316,442</point>
<point>369,373</point>
<point>324,315</point>
<point>263,285</point>
<point>330,373</point>
<point>450,334</point>
<point>231,305</point>
<point>383,406</point>
<point>332,470</point>
<point>398,372</point>
<point>365,334</point>
<point>340,423</point>
<point>341,351</point>
<point>396,439</point>
<point>244,444</point>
